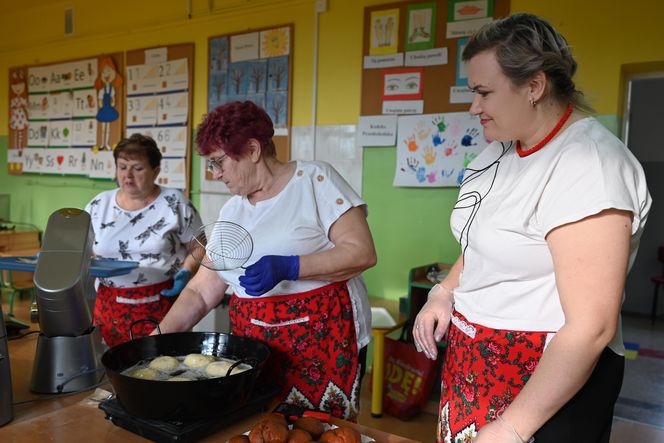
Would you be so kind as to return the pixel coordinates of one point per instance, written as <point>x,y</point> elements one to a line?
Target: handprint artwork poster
<point>433,150</point>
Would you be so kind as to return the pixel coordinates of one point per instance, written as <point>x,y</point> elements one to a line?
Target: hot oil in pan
<point>180,371</point>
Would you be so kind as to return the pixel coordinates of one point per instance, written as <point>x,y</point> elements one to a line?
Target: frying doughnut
<point>164,363</point>
<point>220,368</point>
<point>145,373</point>
<point>179,378</point>
<point>198,360</point>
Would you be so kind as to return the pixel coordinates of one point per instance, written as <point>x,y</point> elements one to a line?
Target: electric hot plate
<point>166,431</point>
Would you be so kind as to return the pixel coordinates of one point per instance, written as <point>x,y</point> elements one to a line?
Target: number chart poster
<point>433,150</point>
<point>159,106</point>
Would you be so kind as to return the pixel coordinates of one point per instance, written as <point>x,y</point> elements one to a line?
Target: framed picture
<point>421,29</point>
<point>384,32</point>
<point>402,84</point>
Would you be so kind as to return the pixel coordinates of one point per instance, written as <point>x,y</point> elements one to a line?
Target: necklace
<point>549,136</point>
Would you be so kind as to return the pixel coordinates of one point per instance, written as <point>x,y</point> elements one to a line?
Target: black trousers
<point>588,416</point>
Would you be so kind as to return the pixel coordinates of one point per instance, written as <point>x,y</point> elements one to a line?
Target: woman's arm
<point>451,280</point>
<point>353,250</point>
<point>590,260</point>
<point>202,294</point>
<point>433,320</point>
<point>190,263</point>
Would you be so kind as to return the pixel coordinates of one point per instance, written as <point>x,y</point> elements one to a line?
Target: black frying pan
<point>182,400</point>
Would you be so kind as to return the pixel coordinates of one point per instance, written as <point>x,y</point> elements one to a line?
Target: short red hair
<point>230,126</point>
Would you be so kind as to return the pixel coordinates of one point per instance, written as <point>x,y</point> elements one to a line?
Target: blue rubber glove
<point>267,272</point>
<point>179,282</point>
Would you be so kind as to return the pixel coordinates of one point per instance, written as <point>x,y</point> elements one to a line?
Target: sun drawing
<point>274,42</point>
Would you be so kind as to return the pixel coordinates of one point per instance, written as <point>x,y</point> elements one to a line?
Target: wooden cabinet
<point>19,242</point>
<point>14,242</point>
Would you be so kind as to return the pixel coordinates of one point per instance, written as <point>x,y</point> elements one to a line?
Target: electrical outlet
<point>321,5</point>
<point>69,21</point>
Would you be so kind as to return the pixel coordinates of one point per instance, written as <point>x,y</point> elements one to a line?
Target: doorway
<point>642,117</point>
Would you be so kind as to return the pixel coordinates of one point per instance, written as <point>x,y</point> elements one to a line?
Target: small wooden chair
<point>657,280</point>
<point>8,284</point>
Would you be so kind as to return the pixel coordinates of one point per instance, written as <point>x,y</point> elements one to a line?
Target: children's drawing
<point>107,83</point>
<point>257,77</point>
<point>277,108</point>
<point>218,72</point>
<point>239,78</point>
<point>18,117</point>
<point>384,31</point>
<point>402,83</point>
<point>264,80</point>
<point>439,158</point>
<point>277,74</point>
<point>461,66</point>
<point>275,42</point>
<point>421,33</point>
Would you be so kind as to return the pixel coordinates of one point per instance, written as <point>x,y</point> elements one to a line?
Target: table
<point>74,418</point>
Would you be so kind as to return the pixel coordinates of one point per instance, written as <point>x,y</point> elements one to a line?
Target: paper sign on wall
<point>434,149</point>
<point>377,130</point>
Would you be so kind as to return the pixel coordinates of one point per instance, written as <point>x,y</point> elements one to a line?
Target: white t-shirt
<point>508,204</point>
<point>297,222</point>
<point>155,236</point>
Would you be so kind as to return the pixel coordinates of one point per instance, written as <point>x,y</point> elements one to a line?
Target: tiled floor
<point>639,411</point>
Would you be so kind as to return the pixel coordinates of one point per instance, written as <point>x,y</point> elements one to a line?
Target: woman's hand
<point>433,320</point>
<point>180,280</point>
<point>498,431</point>
<point>267,272</point>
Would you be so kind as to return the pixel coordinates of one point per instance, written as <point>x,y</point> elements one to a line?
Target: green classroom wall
<point>410,225</point>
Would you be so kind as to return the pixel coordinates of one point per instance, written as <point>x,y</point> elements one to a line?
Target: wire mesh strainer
<point>221,246</point>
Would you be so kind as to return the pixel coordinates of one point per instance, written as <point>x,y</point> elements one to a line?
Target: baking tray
<point>98,267</point>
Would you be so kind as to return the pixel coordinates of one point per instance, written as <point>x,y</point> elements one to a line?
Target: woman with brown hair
<point>549,218</point>
<point>144,222</point>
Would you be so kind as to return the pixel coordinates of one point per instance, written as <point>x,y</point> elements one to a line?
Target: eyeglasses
<point>216,164</point>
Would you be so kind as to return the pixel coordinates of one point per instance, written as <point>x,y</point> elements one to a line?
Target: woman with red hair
<point>302,292</point>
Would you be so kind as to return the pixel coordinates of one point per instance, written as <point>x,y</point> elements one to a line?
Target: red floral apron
<point>484,369</point>
<point>117,308</point>
<point>314,351</point>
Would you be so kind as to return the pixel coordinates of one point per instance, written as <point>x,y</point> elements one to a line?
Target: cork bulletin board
<point>255,65</point>
<point>437,79</point>
<point>65,117</point>
<point>415,92</point>
<point>159,98</point>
